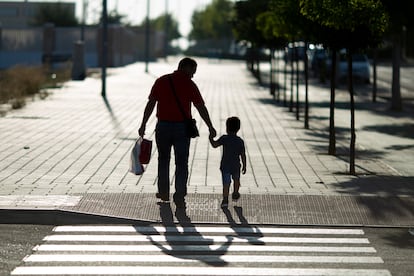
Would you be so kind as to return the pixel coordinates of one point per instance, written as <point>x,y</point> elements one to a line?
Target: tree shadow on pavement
<point>386,197</point>
<point>182,239</point>
<point>404,130</point>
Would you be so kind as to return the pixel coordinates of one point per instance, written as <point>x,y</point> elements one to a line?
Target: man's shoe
<point>235,196</point>
<point>163,197</point>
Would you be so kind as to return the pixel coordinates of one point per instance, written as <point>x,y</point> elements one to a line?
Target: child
<point>233,151</point>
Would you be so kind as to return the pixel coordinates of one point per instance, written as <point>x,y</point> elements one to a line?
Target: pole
<point>166,30</point>
<point>104,46</point>
<point>84,4</point>
<point>147,34</point>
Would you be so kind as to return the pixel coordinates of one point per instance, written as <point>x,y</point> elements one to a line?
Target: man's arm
<point>202,109</point>
<point>147,113</point>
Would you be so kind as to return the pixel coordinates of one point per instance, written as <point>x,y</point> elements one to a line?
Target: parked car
<point>294,52</point>
<point>318,61</point>
<point>360,67</point>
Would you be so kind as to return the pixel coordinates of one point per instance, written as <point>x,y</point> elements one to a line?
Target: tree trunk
<point>396,101</point>
<point>332,139</point>
<point>277,86</point>
<point>374,69</point>
<point>257,71</point>
<point>292,71</point>
<point>272,83</point>
<point>306,88</point>
<point>297,83</point>
<point>285,86</point>
<point>351,94</point>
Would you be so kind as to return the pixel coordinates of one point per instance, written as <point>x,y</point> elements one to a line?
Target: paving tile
<point>73,143</point>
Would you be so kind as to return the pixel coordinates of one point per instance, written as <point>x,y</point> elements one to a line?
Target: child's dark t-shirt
<point>233,146</point>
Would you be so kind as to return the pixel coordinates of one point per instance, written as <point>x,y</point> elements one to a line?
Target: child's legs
<point>226,178</point>
<point>236,180</point>
<point>236,185</point>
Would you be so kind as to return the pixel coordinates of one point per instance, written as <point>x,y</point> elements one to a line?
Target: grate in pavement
<point>257,209</point>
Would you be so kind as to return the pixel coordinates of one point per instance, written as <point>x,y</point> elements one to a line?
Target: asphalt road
<point>17,241</point>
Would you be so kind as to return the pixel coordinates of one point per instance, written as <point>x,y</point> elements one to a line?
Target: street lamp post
<point>147,37</point>
<point>104,46</point>
<point>84,7</point>
<point>166,30</point>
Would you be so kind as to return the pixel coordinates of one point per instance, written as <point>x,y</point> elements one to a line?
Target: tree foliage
<point>116,18</point>
<point>400,14</point>
<point>166,22</point>
<point>245,24</point>
<point>212,22</point>
<point>355,24</point>
<point>56,13</point>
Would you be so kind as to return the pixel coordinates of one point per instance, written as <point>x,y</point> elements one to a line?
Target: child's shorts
<point>228,176</point>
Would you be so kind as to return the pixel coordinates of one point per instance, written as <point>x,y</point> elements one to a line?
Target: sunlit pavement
<point>71,152</point>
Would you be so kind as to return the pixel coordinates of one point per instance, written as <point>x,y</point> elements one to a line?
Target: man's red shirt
<point>186,90</point>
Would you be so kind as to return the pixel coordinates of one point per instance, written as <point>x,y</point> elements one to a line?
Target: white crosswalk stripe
<point>203,250</point>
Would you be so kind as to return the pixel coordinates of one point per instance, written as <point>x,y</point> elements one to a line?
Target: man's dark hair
<point>233,124</point>
<point>187,62</point>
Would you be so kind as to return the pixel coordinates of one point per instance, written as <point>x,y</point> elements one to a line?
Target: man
<point>170,131</point>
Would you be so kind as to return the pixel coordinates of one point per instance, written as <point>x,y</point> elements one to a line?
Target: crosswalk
<point>203,250</point>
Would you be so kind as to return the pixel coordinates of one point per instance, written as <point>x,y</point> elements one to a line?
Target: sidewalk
<point>70,152</point>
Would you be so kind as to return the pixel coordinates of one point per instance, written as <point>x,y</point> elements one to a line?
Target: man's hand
<point>213,132</point>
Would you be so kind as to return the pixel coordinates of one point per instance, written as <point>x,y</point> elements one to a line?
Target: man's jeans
<point>172,135</point>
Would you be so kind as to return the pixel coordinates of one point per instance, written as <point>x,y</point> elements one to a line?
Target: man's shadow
<point>182,240</point>
<point>243,230</point>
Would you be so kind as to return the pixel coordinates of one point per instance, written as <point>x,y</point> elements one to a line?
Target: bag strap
<point>176,97</point>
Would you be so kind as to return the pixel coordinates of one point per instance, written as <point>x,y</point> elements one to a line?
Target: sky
<point>136,10</point>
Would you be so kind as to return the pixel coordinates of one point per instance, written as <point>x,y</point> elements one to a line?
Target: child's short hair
<point>233,124</point>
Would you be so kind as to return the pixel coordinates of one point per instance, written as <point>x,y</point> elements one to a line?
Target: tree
<point>212,22</point>
<point>168,20</point>
<point>284,19</point>
<point>355,25</point>
<point>272,41</point>
<point>400,13</point>
<point>246,28</point>
<point>56,13</point>
<point>164,23</point>
<point>116,18</point>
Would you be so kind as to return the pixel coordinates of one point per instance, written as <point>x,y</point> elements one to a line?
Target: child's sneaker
<point>235,196</point>
<point>225,203</point>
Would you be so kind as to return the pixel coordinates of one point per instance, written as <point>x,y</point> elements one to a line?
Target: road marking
<point>201,239</point>
<point>236,248</point>
<point>158,250</point>
<point>175,270</point>
<point>244,230</point>
<point>87,258</point>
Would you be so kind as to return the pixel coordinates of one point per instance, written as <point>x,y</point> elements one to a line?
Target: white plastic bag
<point>135,165</point>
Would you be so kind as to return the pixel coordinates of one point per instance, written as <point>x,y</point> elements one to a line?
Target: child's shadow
<point>244,230</point>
